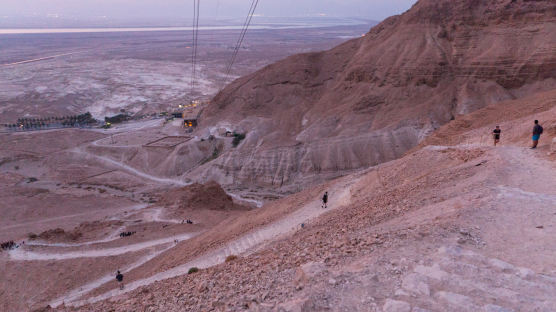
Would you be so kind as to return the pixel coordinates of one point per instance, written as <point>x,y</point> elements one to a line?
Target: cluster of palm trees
<point>48,122</point>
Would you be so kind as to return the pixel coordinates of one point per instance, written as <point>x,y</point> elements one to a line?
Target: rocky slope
<point>320,115</point>
<point>445,228</point>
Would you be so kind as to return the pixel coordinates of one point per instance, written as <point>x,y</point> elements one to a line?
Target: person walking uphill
<point>496,135</point>
<point>537,131</point>
<point>325,200</point>
<point>120,279</point>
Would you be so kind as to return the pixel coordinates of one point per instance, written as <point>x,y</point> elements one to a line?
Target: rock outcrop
<point>196,196</point>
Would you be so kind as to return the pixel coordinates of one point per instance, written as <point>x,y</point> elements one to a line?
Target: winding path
<point>245,244</point>
<point>519,162</point>
<point>25,255</point>
<point>130,208</point>
<point>110,238</point>
<point>130,169</point>
<point>85,289</point>
<point>142,174</point>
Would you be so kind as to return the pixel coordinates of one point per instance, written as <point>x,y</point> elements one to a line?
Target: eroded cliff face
<point>369,100</point>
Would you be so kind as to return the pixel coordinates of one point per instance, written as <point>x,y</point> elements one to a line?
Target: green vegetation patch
<point>238,137</point>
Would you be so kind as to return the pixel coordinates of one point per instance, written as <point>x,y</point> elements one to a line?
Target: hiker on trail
<point>537,131</point>
<point>496,135</point>
<point>120,279</point>
<point>325,200</point>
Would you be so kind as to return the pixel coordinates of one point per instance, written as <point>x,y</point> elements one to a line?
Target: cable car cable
<point>195,29</point>
<point>246,24</point>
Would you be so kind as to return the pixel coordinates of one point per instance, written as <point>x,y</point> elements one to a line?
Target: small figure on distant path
<point>126,234</point>
<point>537,131</point>
<point>325,200</point>
<point>120,279</point>
<point>496,135</point>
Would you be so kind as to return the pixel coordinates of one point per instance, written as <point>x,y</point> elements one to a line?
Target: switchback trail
<point>24,255</point>
<point>130,169</point>
<point>131,208</point>
<point>84,289</point>
<point>520,176</point>
<point>112,237</point>
<point>136,172</point>
<point>341,196</point>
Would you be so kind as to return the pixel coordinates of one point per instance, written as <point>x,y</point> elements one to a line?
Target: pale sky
<point>160,9</point>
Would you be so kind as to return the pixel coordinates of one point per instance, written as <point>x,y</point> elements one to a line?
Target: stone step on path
<point>508,277</point>
<point>456,279</point>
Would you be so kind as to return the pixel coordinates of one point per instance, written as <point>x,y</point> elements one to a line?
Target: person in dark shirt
<point>120,279</point>
<point>537,131</point>
<point>325,200</point>
<point>496,135</point>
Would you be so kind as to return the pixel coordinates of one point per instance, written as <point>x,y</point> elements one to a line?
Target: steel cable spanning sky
<point>196,11</point>
<point>246,24</point>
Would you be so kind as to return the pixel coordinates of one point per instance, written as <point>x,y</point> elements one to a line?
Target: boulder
<point>306,272</point>
<point>396,306</point>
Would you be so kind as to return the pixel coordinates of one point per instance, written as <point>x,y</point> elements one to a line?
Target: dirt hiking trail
<point>509,266</point>
<point>23,255</point>
<point>340,196</point>
<point>502,260</point>
<point>513,267</point>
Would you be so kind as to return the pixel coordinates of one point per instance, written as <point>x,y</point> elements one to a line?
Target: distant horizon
<point>66,13</point>
<point>258,22</point>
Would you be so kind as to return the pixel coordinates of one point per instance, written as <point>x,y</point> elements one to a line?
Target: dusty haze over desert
<point>175,156</point>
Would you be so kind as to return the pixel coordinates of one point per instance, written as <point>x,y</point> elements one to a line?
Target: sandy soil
<point>72,204</point>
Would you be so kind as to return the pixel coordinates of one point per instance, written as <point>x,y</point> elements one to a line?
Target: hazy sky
<point>160,9</point>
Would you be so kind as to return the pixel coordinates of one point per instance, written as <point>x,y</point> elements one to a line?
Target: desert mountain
<point>371,99</point>
<point>452,224</point>
<point>461,227</point>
